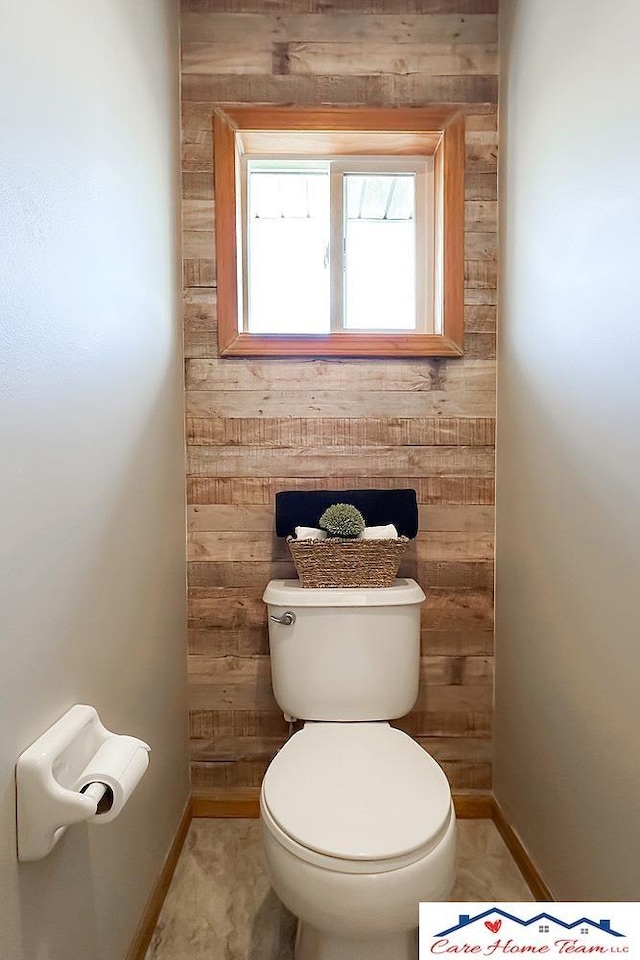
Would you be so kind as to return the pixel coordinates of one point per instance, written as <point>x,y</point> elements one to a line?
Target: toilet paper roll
<point>120,763</point>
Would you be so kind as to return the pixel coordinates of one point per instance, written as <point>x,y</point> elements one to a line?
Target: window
<point>318,231</point>
<point>339,232</point>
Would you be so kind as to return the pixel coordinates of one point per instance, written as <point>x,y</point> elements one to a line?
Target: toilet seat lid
<point>357,791</point>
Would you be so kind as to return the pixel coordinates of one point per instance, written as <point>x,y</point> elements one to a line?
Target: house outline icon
<point>604,926</point>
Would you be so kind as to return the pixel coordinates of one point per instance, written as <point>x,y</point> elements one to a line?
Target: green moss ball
<point>342,520</point>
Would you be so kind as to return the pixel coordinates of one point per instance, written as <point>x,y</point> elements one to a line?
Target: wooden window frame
<point>411,132</point>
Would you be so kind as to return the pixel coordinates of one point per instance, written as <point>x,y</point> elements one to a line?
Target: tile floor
<point>220,906</point>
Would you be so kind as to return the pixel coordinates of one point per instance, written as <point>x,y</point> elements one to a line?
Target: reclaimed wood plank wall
<point>256,427</point>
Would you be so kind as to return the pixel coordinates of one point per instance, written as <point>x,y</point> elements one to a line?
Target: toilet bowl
<point>357,819</point>
<point>358,828</point>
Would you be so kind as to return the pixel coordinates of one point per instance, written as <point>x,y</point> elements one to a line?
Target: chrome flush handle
<point>287,619</point>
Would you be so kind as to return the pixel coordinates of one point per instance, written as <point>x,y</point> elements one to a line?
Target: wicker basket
<point>337,562</point>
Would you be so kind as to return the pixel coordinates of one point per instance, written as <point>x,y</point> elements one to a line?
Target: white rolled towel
<point>388,532</point>
<point>310,533</point>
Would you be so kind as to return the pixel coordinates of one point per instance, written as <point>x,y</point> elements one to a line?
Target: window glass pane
<point>288,249</point>
<point>380,252</point>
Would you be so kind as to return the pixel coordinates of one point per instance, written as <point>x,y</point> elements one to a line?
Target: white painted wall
<point>568,537</point>
<point>91,504</point>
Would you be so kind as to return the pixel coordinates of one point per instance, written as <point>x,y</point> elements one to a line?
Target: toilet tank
<point>349,654</point>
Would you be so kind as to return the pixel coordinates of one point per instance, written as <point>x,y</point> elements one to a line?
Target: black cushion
<point>303,508</point>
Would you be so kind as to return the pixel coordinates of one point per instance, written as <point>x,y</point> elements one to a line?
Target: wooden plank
<point>214,642</point>
<point>475,749</point>
<point>469,806</point>
<point>447,723</point>
<point>417,89</point>
<point>453,750</point>
<point>217,546</point>
<point>235,748</point>
<point>233,696</point>
<point>337,6</point>
<point>231,517</point>
<point>197,186</point>
<point>367,461</point>
<point>480,346</point>
<point>458,633</point>
<point>245,802</point>
<point>481,246</point>
<point>197,138</point>
<point>456,671</point>
<point>480,186</point>
<point>256,490</point>
<point>237,723</point>
<point>443,632</point>
<point>209,723</point>
<point>228,804</point>
<point>200,323</point>
<point>481,152</point>
<point>480,318</point>
<point>407,90</point>
<point>447,608</point>
<point>244,683</point>
<point>198,216</point>
<point>245,28</point>
<point>234,773</point>
<point>441,608</point>
<point>443,749</point>
<point>480,116</point>
<point>476,574</point>
<point>458,574</point>
<point>235,546</point>
<point>476,296</point>
<point>481,216</point>
<point>463,775</point>
<point>435,671</point>
<point>462,402</point>
<point>306,375</point>
<point>225,58</point>
<point>447,517</point>
<point>373,58</point>
<point>239,574</point>
<point>289,432</point>
<point>470,641</point>
<point>203,295</point>
<point>482,274</point>
<point>199,273</point>
<point>198,244</point>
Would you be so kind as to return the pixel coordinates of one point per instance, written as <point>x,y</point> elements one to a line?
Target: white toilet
<point>358,822</point>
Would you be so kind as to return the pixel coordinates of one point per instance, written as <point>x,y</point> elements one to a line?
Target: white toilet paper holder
<point>77,770</point>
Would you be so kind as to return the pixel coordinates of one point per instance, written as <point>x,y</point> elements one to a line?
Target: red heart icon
<point>494,927</point>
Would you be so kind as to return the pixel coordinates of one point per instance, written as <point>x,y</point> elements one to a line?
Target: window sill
<point>341,345</point>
